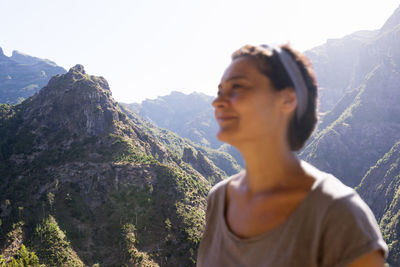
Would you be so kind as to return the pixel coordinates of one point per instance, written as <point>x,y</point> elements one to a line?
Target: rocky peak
<point>392,22</point>
<point>77,68</point>
<point>76,102</point>
<point>3,57</point>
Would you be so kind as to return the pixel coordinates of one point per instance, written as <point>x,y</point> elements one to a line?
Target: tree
<point>24,258</point>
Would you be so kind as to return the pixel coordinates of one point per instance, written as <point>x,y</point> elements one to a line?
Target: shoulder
<point>338,199</point>
<point>349,228</point>
<point>327,189</point>
<point>217,193</point>
<point>220,187</point>
<point>215,198</point>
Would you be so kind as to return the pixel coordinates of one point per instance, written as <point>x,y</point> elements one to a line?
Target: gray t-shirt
<point>332,227</point>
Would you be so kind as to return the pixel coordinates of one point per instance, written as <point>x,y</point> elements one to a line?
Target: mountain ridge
<point>194,121</point>
<point>71,160</point>
<point>22,75</point>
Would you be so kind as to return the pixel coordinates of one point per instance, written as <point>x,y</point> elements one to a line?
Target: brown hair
<point>269,64</point>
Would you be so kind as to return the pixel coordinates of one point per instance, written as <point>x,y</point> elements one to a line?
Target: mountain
<point>84,180</point>
<point>340,55</point>
<point>364,124</point>
<point>342,64</point>
<point>380,188</point>
<point>83,183</point>
<point>200,157</point>
<point>22,75</point>
<point>367,128</point>
<point>190,116</point>
<point>357,138</point>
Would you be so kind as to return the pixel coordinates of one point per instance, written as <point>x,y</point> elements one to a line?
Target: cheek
<point>258,115</point>
<point>254,107</point>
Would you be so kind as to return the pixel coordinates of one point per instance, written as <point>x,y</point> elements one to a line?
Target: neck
<point>269,165</point>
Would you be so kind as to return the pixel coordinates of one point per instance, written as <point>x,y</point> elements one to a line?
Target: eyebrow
<point>237,77</point>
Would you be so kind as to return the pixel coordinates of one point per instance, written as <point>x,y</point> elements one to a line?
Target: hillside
<point>82,183</point>
<point>365,123</point>
<point>85,180</point>
<point>380,188</point>
<point>22,75</point>
<point>335,64</point>
<point>202,157</point>
<point>367,128</point>
<point>190,116</point>
<point>357,138</point>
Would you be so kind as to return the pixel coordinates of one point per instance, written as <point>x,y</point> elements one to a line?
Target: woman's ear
<point>288,100</point>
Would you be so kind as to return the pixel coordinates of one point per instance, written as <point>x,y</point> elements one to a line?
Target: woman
<point>280,211</point>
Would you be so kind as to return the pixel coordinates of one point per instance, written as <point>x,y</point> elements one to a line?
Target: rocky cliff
<point>364,124</point>
<point>380,188</point>
<point>355,134</point>
<point>190,116</point>
<point>82,183</point>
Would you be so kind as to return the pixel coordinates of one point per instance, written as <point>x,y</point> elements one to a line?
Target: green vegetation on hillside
<point>52,246</point>
<point>380,188</point>
<point>94,186</point>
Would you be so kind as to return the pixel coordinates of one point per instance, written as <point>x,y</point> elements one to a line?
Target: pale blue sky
<point>147,48</point>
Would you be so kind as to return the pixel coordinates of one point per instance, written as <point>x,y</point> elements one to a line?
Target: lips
<point>224,118</point>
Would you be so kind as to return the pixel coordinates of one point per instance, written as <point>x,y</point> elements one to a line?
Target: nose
<point>220,101</point>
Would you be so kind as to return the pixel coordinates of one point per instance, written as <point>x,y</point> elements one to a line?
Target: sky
<point>148,48</point>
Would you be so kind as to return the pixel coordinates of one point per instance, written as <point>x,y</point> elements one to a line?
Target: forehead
<point>242,67</point>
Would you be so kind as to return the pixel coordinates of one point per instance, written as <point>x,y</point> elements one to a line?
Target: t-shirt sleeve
<point>210,204</point>
<point>349,231</point>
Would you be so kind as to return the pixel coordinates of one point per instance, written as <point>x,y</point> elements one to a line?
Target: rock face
<point>380,188</point>
<point>363,132</point>
<point>2,56</point>
<point>22,76</point>
<point>341,65</point>
<point>80,104</point>
<point>342,56</point>
<point>216,159</point>
<point>354,136</point>
<point>365,123</point>
<point>92,184</point>
<point>200,163</point>
<point>190,116</point>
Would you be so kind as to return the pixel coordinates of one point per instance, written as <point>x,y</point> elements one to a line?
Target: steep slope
<point>21,76</point>
<point>342,64</point>
<point>363,132</point>
<point>365,123</point>
<point>214,158</point>
<point>190,116</point>
<point>380,188</point>
<point>82,176</point>
<point>334,63</point>
<point>392,22</point>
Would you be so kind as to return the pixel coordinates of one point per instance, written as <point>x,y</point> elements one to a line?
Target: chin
<point>226,136</point>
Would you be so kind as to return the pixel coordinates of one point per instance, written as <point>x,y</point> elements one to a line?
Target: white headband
<point>297,79</point>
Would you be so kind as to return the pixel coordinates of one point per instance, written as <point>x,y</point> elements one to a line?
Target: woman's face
<point>247,107</point>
